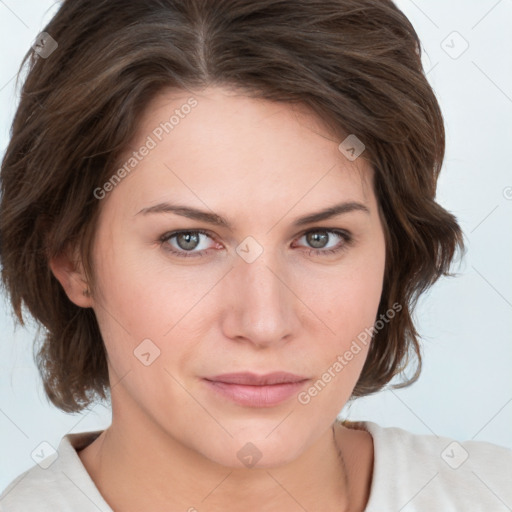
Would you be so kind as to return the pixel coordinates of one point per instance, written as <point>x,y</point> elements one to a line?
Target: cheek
<point>150,306</point>
<point>146,295</point>
<point>348,304</point>
<point>347,299</point>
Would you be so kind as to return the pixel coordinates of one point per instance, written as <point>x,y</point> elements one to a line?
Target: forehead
<point>233,149</point>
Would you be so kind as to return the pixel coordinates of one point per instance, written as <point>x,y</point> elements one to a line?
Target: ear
<point>70,274</point>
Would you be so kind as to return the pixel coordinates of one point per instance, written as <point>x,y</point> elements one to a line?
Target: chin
<point>256,450</point>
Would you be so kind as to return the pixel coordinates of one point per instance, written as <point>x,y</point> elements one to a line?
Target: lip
<point>251,390</point>
<point>252,379</point>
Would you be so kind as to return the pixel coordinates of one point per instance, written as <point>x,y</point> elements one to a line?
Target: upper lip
<point>252,379</point>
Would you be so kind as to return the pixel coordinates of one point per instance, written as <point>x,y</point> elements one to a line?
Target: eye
<point>185,243</point>
<point>326,241</point>
<point>322,242</point>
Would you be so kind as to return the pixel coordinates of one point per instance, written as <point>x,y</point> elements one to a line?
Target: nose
<point>262,308</point>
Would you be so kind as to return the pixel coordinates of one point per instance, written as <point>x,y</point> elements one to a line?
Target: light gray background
<point>465,391</point>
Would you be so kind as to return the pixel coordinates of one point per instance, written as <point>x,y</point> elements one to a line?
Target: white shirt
<point>411,473</point>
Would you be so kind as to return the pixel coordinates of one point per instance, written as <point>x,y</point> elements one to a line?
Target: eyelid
<point>339,231</point>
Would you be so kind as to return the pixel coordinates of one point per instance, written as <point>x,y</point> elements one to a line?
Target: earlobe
<point>72,279</point>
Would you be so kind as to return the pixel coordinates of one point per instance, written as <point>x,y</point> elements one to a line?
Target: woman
<point>225,213</point>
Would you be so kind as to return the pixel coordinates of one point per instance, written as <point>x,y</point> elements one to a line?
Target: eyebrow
<point>217,220</point>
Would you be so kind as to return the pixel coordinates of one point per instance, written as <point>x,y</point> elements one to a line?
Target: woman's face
<point>259,292</point>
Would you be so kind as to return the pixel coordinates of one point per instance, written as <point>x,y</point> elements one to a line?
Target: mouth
<point>252,390</point>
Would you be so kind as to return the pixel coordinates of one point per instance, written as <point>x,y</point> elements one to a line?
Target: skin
<point>173,442</point>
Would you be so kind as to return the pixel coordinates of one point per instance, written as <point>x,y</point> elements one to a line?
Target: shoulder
<point>58,482</point>
<point>415,472</point>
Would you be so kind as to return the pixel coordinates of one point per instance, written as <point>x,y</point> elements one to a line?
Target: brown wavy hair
<point>356,63</point>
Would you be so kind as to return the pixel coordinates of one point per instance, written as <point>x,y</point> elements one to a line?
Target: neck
<point>136,465</point>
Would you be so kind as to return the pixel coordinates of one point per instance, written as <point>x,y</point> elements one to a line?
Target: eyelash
<point>344,235</point>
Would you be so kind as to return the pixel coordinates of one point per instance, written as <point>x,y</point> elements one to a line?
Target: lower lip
<point>256,396</point>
